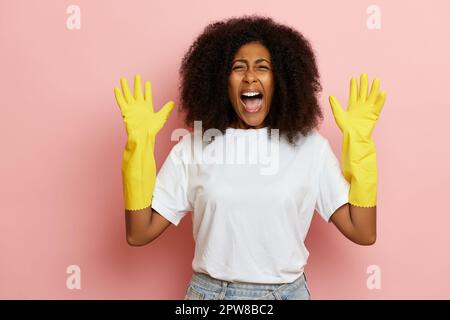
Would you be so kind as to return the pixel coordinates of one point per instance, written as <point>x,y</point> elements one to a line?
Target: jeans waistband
<point>207,280</point>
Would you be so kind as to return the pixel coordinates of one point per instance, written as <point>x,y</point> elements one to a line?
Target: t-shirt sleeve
<point>170,195</point>
<point>333,188</point>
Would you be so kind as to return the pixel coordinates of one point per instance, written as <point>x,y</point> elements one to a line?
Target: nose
<point>249,77</point>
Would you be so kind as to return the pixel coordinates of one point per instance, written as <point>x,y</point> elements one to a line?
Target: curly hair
<point>206,66</point>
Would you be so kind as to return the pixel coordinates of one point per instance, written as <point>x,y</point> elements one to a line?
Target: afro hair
<point>206,66</point>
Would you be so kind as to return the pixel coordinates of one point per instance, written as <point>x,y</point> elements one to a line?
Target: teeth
<point>250,94</point>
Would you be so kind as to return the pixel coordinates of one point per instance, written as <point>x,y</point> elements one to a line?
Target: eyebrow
<point>257,61</point>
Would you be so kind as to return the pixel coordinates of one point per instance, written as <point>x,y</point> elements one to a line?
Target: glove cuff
<point>363,193</point>
<point>360,169</point>
<point>138,173</point>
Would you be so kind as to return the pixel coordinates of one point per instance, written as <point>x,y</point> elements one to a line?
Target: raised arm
<point>357,219</point>
<point>142,123</point>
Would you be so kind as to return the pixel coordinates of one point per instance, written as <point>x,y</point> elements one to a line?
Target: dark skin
<point>251,69</point>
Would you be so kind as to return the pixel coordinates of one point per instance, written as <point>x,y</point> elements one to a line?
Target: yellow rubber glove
<point>142,125</point>
<point>358,156</point>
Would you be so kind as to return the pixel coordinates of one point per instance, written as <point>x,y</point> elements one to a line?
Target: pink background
<point>63,137</point>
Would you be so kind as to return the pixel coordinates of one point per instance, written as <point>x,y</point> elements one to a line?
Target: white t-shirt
<point>250,219</point>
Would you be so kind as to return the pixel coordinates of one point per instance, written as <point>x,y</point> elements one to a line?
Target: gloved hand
<point>142,125</point>
<point>358,156</point>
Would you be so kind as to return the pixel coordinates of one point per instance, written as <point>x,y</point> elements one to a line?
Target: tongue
<point>252,104</point>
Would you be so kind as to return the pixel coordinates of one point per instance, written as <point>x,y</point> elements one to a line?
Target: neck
<point>239,124</point>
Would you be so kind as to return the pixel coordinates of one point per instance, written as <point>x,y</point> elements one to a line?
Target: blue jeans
<point>204,287</point>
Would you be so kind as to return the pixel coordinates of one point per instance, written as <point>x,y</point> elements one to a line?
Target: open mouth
<point>252,102</point>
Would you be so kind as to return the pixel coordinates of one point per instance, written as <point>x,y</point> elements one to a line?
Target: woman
<point>246,79</point>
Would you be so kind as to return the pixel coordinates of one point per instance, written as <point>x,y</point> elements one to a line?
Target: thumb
<point>379,103</point>
<point>166,110</point>
<point>336,107</point>
<point>338,112</point>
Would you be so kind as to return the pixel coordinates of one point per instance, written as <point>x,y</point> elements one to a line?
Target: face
<point>251,85</point>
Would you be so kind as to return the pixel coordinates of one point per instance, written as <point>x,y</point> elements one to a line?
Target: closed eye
<point>261,67</point>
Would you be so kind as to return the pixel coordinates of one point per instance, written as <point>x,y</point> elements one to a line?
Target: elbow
<point>135,242</point>
<point>132,242</point>
<point>367,241</point>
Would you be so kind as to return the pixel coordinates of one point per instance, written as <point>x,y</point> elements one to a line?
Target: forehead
<point>252,51</point>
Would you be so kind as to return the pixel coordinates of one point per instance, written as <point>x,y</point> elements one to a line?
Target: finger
<point>148,94</point>
<point>120,100</point>
<point>363,87</point>
<point>138,87</point>
<point>126,90</point>
<point>338,112</point>
<point>335,107</point>
<point>353,91</point>
<point>374,91</point>
<point>165,110</point>
<point>379,103</point>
